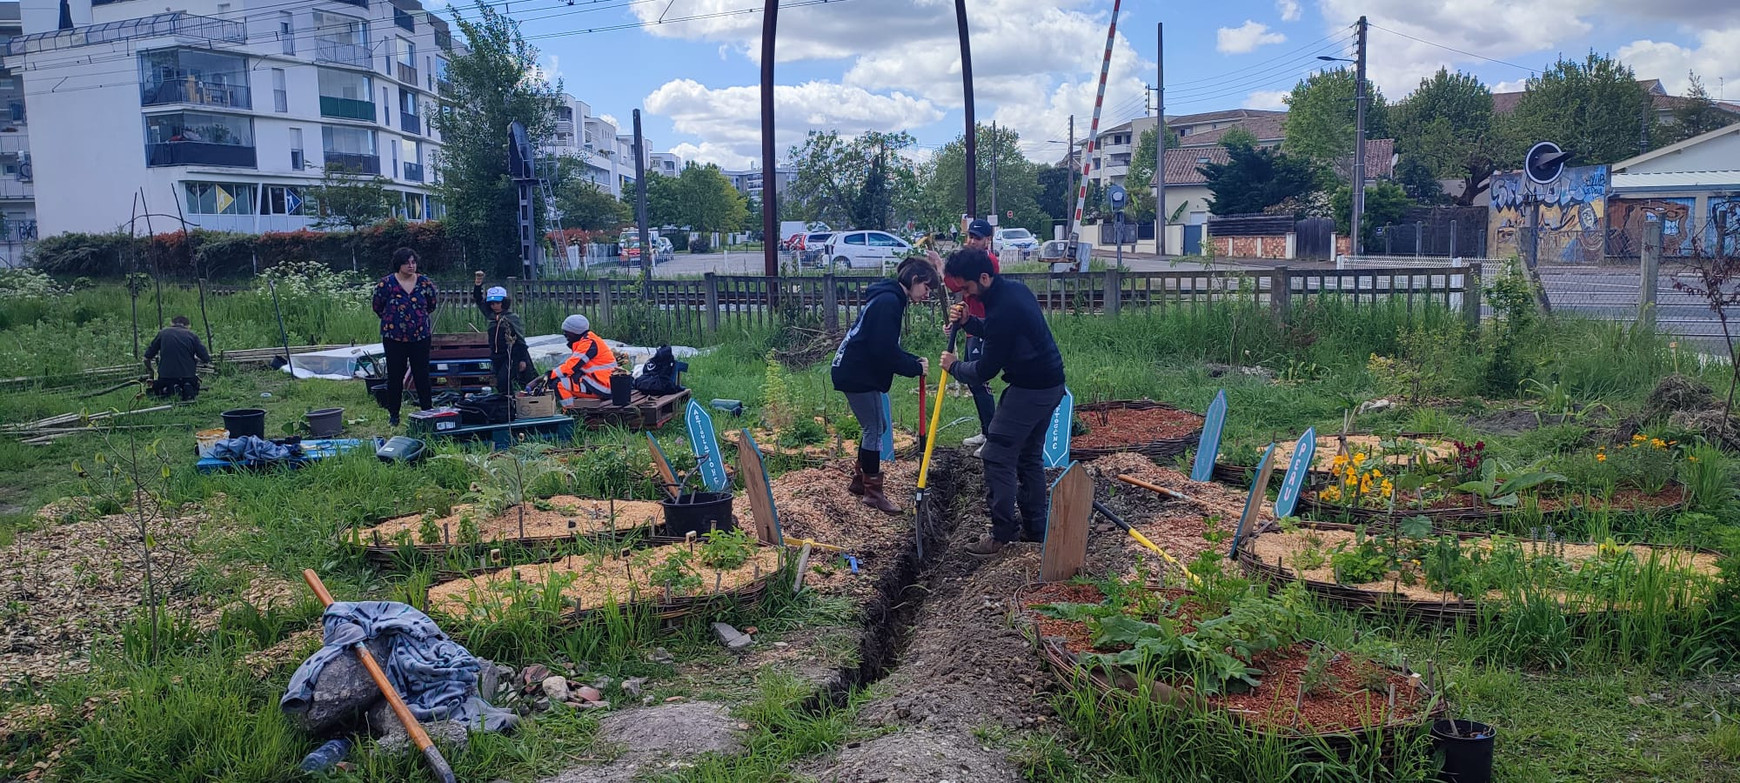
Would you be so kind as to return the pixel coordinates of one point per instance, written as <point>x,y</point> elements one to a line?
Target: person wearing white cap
<point>586,372</point>
<point>507,336</point>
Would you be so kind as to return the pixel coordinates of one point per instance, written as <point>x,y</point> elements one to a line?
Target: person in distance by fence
<point>867,361</point>
<point>181,353</point>
<point>1018,344</point>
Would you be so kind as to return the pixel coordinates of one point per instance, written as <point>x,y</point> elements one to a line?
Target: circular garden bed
<point>562,518</point>
<point>1153,429</point>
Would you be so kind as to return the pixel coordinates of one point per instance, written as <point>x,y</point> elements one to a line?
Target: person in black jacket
<point>868,360</point>
<point>181,353</point>
<point>1018,344</point>
<point>508,353</point>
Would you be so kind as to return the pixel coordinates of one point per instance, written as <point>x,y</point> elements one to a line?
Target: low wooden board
<point>1066,528</point>
<point>760,499</point>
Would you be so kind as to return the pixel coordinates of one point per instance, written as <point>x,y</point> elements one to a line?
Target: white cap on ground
<point>576,324</point>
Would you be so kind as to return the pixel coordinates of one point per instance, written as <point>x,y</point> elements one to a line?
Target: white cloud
<point>707,152</point>
<point>1035,62</point>
<point>729,119</point>
<point>1499,29</point>
<point>1289,10</point>
<point>610,118</point>
<point>1245,38</point>
<point>1715,59</point>
<point>1514,85</point>
<point>1274,100</point>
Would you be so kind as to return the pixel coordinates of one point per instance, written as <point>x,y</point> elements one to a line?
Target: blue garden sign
<point>1297,470</point>
<point>706,446</point>
<point>1057,433</point>
<point>1208,448</point>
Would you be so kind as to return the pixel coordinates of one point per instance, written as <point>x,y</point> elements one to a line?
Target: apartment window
<point>407,55</point>
<point>287,31</point>
<point>386,101</point>
<point>282,200</point>
<point>280,95</point>
<point>193,76</point>
<point>345,94</point>
<point>298,159</point>
<point>219,198</point>
<point>351,149</point>
<point>341,39</point>
<point>393,157</point>
<point>192,138</point>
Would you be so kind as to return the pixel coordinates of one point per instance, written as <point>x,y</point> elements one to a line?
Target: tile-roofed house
<point>1267,128</point>
<point>1665,104</point>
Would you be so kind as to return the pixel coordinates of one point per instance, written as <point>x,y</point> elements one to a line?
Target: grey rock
<point>661,655</point>
<point>632,685</point>
<point>391,737</point>
<point>556,688</point>
<point>342,693</point>
<point>678,731</point>
<point>488,679</point>
<point>731,637</point>
<point>602,682</point>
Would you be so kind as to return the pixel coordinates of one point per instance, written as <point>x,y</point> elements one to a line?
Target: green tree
<point>1696,114</point>
<point>707,200</point>
<point>1594,109</point>
<point>1447,125</point>
<point>1055,197</point>
<point>1418,181</point>
<point>1255,179</point>
<point>664,200</point>
<point>582,203</point>
<point>1385,204</point>
<point>1238,135</point>
<point>494,83</point>
<point>1017,181</point>
<point>1140,181</point>
<point>1321,114</point>
<point>833,173</point>
<point>350,200</point>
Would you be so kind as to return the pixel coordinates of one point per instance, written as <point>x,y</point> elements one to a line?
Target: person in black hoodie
<point>1018,344</point>
<point>508,353</point>
<point>868,360</point>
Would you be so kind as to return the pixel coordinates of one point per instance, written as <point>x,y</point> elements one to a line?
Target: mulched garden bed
<point>1341,710</point>
<point>621,578</point>
<point>1271,554</point>
<point>564,519</point>
<point>1153,429</point>
<point>1432,449</point>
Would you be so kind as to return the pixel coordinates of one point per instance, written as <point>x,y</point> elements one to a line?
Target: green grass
<point>1627,699</point>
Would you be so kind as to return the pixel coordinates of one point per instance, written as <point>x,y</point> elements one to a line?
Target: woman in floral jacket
<point>405,301</point>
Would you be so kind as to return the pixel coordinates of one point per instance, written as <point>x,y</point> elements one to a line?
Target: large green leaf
<point>1529,481</point>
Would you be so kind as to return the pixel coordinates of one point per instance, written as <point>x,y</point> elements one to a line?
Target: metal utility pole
<point>769,198</point>
<point>993,170</point>
<point>1160,142</point>
<point>646,248</point>
<point>1073,167</point>
<point>967,94</point>
<point>1358,141</point>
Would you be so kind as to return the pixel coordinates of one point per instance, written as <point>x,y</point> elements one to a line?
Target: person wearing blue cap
<point>508,353</point>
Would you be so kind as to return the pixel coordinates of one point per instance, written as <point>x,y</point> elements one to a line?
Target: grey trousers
<point>1014,462</point>
<point>867,408</point>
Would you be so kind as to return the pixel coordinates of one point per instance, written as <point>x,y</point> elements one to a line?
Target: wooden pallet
<point>559,428</point>
<point>643,412</point>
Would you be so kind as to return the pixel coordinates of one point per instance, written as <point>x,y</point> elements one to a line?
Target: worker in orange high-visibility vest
<point>585,375</point>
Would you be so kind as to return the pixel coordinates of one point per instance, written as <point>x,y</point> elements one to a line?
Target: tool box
<point>435,420</point>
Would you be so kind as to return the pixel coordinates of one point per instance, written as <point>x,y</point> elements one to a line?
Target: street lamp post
<point>1358,206</point>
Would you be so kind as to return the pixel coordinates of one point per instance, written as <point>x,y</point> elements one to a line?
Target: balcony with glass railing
<point>353,163</point>
<point>413,172</point>
<point>346,108</point>
<point>197,92</point>
<point>411,123</point>
<point>407,74</point>
<point>329,50</point>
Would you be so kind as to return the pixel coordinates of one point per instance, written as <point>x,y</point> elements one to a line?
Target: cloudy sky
<point>692,66</point>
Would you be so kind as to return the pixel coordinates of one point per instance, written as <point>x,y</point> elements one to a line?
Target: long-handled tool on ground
<point>1164,492</point>
<point>419,737</point>
<point>921,516</point>
<point>1143,540</point>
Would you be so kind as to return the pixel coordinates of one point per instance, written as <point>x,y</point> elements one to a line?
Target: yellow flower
<point>1388,488</point>
<point>1358,458</point>
<point>1375,473</point>
<point>1340,459</point>
<point>1658,443</point>
<point>1599,457</point>
<point>1637,438</point>
<point>1691,459</point>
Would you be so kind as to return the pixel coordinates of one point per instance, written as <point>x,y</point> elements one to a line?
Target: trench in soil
<point>901,591</point>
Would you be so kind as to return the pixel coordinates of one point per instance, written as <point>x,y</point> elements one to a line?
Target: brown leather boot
<point>873,496</point>
<point>857,485</point>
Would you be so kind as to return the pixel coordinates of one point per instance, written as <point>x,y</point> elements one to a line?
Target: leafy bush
<point>701,244</point>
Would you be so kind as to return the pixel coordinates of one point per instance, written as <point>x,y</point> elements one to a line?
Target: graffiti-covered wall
<point>1571,213</point>
<point>1722,234</point>
<point>1626,217</point>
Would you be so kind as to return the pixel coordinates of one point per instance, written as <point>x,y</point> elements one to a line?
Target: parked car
<point>866,250</point>
<point>1014,242</point>
<point>629,242</point>
<point>810,248</point>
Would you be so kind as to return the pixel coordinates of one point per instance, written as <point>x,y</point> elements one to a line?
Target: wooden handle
<point>413,729</point>
<point>1171,493</point>
<point>664,467</point>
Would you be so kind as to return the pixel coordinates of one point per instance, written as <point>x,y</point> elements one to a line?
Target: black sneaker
<point>392,420</point>
<point>1029,538</point>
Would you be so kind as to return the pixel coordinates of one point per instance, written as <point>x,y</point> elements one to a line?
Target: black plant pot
<point>621,390</point>
<point>1467,749</point>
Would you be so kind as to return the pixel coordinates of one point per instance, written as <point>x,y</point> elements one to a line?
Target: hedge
<point>219,255</point>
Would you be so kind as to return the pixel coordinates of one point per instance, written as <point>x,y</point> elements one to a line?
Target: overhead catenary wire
<point>1462,52</point>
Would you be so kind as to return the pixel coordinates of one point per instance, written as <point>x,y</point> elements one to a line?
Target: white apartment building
<point>608,156</point>
<point>17,191</point>
<point>748,181</point>
<point>226,112</point>
<point>664,164</point>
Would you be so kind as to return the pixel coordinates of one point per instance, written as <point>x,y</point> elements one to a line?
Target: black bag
<point>486,409</point>
<point>658,377</point>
